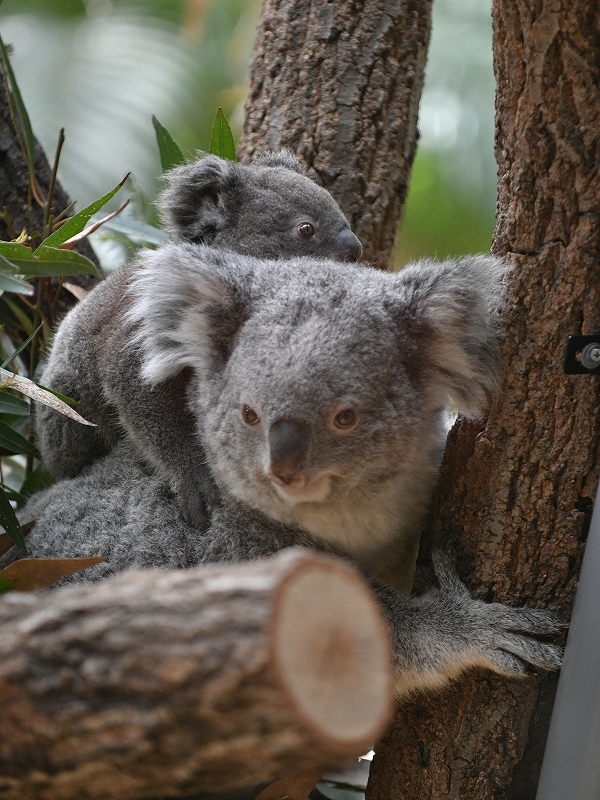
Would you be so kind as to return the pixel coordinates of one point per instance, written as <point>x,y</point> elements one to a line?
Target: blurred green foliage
<point>438,221</point>
<point>101,68</point>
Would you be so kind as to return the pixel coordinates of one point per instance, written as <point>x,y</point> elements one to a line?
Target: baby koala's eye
<point>250,416</point>
<point>305,230</point>
<point>344,419</point>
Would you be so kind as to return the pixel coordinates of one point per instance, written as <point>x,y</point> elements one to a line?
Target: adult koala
<point>318,393</point>
<point>268,209</point>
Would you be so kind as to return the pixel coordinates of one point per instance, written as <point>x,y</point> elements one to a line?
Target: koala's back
<point>76,368</point>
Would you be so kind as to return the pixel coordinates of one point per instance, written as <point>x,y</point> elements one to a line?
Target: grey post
<point>571,767</point>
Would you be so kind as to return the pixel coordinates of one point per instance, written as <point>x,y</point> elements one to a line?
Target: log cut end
<point>332,652</point>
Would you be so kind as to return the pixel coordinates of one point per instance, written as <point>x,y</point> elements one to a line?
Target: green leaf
<point>9,283</point>
<point>136,231</point>
<point>78,222</point>
<point>221,140</point>
<point>5,264</point>
<point>10,310</point>
<point>6,586</point>
<point>20,348</point>
<point>47,261</point>
<point>13,442</point>
<point>9,404</point>
<point>10,250</point>
<point>9,521</point>
<point>23,117</point>
<point>170,153</point>
<point>36,481</point>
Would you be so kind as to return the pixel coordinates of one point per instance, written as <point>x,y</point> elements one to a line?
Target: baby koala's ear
<point>279,158</point>
<point>448,315</point>
<point>192,206</point>
<point>187,304</point>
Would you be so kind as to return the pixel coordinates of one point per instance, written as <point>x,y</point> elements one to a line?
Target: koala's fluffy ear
<point>191,207</point>
<point>279,158</point>
<point>187,303</point>
<point>449,317</point>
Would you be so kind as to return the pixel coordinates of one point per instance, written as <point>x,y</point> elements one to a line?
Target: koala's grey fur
<point>297,341</point>
<point>255,210</point>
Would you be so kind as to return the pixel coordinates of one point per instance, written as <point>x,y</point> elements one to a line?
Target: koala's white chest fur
<point>362,523</point>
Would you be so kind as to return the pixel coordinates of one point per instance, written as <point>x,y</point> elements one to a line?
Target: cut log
<point>181,682</point>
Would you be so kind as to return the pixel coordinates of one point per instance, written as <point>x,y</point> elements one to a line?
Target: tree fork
<point>339,84</point>
<point>518,490</point>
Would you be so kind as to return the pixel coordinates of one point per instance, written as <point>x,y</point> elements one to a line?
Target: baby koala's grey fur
<point>298,342</point>
<point>257,210</point>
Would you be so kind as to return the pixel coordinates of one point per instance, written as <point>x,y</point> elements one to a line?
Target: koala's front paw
<point>493,635</point>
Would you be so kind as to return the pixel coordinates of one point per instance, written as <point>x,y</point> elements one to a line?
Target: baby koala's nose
<point>349,247</point>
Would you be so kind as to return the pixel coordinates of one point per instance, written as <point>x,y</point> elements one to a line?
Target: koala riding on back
<point>267,209</point>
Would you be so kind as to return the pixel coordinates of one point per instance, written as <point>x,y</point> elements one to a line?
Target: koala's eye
<point>305,230</point>
<point>344,419</point>
<point>250,416</point>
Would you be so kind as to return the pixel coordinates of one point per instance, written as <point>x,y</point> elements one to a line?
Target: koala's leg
<point>444,632</point>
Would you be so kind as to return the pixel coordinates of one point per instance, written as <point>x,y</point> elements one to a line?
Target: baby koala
<point>317,392</point>
<point>267,209</point>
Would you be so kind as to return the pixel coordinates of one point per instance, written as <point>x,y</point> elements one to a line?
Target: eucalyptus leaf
<point>20,348</point>
<point>50,261</point>
<point>7,317</point>
<point>19,317</point>
<point>31,574</point>
<point>6,586</point>
<point>36,481</point>
<point>23,117</point>
<point>9,283</point>
<point>10,404</point>
<point>78,222</point>
<point>14,250</point>
<point>9,521</point>
<point>136,230</point>
<point>221,140</point>
<point>13,442</point>
<point>42,395</point>
<point>5,265</point>
<point>170,153</point>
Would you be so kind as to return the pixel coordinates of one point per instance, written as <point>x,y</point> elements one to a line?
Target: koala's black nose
<point>349,247</point>
<point>289,443</point>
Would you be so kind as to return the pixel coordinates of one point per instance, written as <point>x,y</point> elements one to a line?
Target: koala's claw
<point>463,632</point>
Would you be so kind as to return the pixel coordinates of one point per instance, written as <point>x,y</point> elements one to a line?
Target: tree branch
<point>188,681</point>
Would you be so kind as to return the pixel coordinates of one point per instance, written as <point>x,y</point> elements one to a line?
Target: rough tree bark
<point>193,680</point>
<point>517,492</point>
<point>339,83</point>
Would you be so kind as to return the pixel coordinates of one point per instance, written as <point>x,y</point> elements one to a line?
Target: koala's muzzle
<point>289,443</point>
<point>348,246</point>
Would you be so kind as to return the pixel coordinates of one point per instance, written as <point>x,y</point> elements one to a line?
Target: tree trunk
<point>193,680</point>
<point>339,84</point>
<point>517,491</point>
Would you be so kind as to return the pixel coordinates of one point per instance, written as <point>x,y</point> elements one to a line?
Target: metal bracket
<point>582,355</point>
